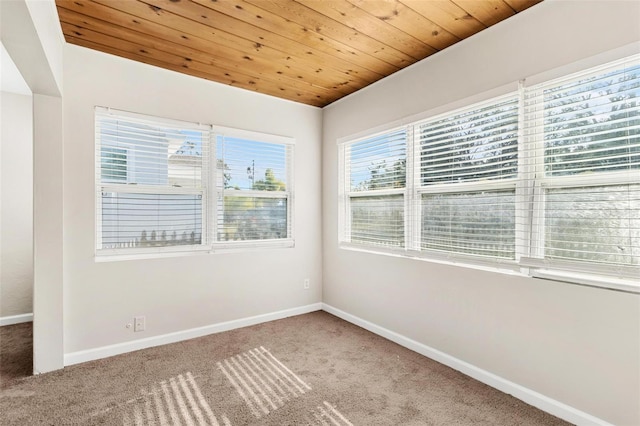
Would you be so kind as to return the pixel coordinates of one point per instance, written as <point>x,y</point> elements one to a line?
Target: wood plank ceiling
<point>309,51</point>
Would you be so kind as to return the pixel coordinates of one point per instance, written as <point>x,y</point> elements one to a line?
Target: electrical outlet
<point>139,323</point>
<point>307,283</point>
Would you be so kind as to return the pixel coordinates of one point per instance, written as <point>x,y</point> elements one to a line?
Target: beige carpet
<point>312,369</point>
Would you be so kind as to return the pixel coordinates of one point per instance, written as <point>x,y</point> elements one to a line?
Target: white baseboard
<point>529,396</point>
<point>120,348</point>
<point>16,319</point>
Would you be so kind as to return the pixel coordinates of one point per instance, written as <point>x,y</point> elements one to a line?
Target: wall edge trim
<point>16,319</point>
<point>529,396</point>
<point>78,357</point>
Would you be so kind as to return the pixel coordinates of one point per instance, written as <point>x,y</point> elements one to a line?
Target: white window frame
<point>467,187</point>
<point>530,187</point>
<point>413,192</point>
<point>288,195</point>
<point>128,188</point>
<point>619,277</point>
<point>209,193</point>
<point>347,195</point>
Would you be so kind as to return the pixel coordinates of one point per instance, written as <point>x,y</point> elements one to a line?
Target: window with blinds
<point>152,182</point>
<point>468,165</point>
<point>375,183</point>
<point>544,180</point>
<point>165,185</point>
<point>253,189</point>
<point>584,139</point>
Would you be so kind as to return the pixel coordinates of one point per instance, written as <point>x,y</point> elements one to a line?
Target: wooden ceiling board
<point>268,21</point>
<point>247,50</point>
<point>233,80</point>
<point>520,5</point>
<point>308,51</point>
<point>261,41</point>
<point>328,27</point>
<point>408,20</point>
<point>193,67</point>
<point>489,12</point>
<point>448,15</point>
<point>265,71</point>
<point>234,62</point>
<point>399,43</point>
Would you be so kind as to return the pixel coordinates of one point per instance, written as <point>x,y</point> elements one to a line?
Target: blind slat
<point>477,143</point>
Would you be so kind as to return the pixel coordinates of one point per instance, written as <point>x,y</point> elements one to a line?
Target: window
<point>166,186</point>
<point>544,180</point>
<point>253,189</point>
<point>152,183</point>
<point>584,134</point>
<point>376,189</point>
<point>468,167</point>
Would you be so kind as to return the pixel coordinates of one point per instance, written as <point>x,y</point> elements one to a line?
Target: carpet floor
<point>312,369</point>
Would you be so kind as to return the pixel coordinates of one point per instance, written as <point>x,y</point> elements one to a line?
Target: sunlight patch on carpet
<point>262,381</point>
<point>177,401</point>
<point>327,414</point>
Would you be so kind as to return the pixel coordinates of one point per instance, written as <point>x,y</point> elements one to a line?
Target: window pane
<point>378,220</point>
<point>186,164</point>
<point>593,124</point>
<point>595,224</point>
<point>478,223</point>
<point>251,165</point>
<point>378,162</point>
<point>474,145</point>
<point>150,220</point>
<point>252,218</point>
<point>155,154</point>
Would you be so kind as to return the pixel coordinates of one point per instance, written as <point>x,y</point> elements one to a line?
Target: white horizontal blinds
<point>378,220</point>
<point>475,222</point>
<point>476,144</point>
<point>591,122</point>
<point>155,153</point>
<point>152,178</point>
<point>595,224</point>
<point>139,220</point>
<point>376,170</point>
<point>254,189</point>
<point>113,164</point>
<point>585,136</point>
<point>468,166</point>
<point>378,162</point>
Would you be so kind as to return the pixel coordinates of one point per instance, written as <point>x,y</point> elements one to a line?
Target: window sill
<point>504,267</point>
<point>233,247</point>
<point>508,267</point>
<point>118,257</point>
<point>597,281</point>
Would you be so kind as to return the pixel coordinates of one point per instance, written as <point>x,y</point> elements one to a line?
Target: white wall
<point>44,16</point>
<point>48,280</point>
<point>31,33</point>
<point>577,345</point>
<point>32,36</point>
<point>16,216</point>
<point>177,293</point>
